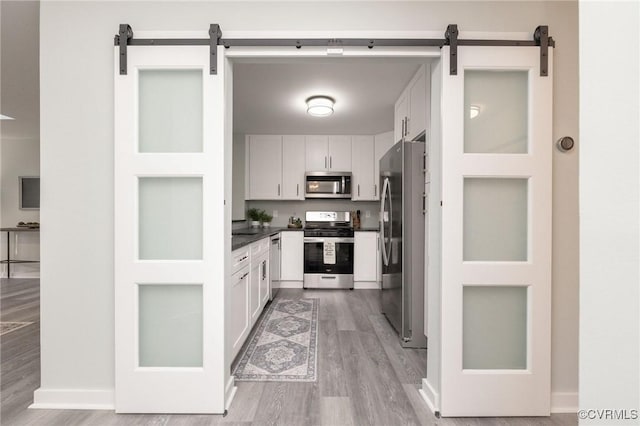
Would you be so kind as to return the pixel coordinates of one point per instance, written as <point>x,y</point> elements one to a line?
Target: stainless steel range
<point>328,250</point>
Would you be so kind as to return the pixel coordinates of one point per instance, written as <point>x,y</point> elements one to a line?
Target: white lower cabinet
<point>249,290</point>
<point>264,280</point>
<point>365,258</point>
<point>292,256</point>
<point>259,285</point>
<point>239,309</point>
<point>254,292</point>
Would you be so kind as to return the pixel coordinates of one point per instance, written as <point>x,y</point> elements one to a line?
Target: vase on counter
<point>266,224</point>
<point>254,224</point>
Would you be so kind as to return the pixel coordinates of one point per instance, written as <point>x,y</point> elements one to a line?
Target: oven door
<point>324,270</point>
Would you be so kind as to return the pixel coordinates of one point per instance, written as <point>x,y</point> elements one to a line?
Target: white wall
<point>286,209</point>
<point>77,155</point>
<point>609,210</point>
<point>433,256</point>
<point>237,199</point>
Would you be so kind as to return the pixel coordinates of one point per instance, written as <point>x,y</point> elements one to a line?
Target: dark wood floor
<point>364,376</point>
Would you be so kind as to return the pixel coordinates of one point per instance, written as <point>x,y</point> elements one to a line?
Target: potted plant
<point>266,219</point>
<point>254,215</point>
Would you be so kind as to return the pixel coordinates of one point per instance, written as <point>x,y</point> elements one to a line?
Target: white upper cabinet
<point>316,153</point>
<point>339,153</point>
<point>293,167</point>
<point>328,153</point>
<point>363,183</point>
<point>264,167</point>
<point>275,164</point>
<point>383,142</point>
<point>400,116</point>
<point>412,107</point>
<point>418,101</point>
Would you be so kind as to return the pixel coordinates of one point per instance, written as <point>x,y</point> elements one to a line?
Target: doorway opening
<point>357,346</point>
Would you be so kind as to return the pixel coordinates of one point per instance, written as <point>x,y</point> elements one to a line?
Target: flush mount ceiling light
<point>474,111</point>
<point>4,117</point>
<point>320,106</point>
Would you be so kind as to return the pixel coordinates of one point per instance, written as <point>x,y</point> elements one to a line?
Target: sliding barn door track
<point>540,38</point>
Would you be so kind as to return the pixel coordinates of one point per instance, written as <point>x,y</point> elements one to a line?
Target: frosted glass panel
<point>170,327</point>
<point>170,111</point>
<point>495,111</point>
<point>170,218</point>
<point>495,219</point>
<point>494,330</point>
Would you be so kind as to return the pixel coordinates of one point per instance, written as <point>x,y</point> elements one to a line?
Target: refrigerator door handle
<point>386,190</point>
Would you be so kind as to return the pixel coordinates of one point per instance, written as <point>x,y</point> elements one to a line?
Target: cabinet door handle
<point>297,189</point>
<point>278,190</point>
<point>408,124</point>
<point>358,190</point>
<point>402,132</point>
<point>375,189</point>
<point>331,162</point>
<point>325,161</point>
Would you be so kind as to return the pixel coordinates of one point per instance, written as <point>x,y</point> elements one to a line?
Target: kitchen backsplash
<point>285,209</point>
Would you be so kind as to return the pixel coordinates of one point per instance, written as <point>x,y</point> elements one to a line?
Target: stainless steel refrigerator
<point>402,222</point>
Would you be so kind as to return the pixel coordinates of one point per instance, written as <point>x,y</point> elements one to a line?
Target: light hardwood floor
<point>364,376</point>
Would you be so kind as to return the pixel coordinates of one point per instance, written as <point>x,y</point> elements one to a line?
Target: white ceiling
<point>269,98</point>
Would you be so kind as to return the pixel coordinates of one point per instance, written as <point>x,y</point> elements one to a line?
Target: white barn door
<point>169,231</point>
<point>496,235</point>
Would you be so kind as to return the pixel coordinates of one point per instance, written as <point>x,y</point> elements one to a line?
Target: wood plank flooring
<point>364,376</point>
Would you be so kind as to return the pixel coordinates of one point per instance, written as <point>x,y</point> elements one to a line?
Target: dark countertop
<point>239,241</point>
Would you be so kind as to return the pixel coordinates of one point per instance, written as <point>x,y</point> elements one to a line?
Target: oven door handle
<point>327,240</point>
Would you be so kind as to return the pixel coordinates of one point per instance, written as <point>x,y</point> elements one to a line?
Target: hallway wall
<point>77,152</point>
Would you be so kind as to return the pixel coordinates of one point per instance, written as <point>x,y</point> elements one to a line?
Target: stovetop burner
<point>328,224</point>
<point>328,232</point>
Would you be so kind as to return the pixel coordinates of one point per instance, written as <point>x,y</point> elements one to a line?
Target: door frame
<point>266,54</point>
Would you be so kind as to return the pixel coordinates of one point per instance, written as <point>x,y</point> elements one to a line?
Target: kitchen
<point>316,181</point>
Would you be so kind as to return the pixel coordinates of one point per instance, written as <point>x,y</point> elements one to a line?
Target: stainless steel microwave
<point>327,185</point>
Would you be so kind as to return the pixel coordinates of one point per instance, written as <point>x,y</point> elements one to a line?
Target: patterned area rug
<point>284,347</point>
<point>7,327</point>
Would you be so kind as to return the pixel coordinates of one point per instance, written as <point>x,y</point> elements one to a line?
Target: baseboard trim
<point>366,285</point>
<point>564,402</point>
<point>230,392</point>
<point>430,396</point>
<point>74,399</point>
<point>290,284</point>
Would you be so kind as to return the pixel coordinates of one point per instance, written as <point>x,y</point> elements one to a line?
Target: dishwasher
<point>274,266</point>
